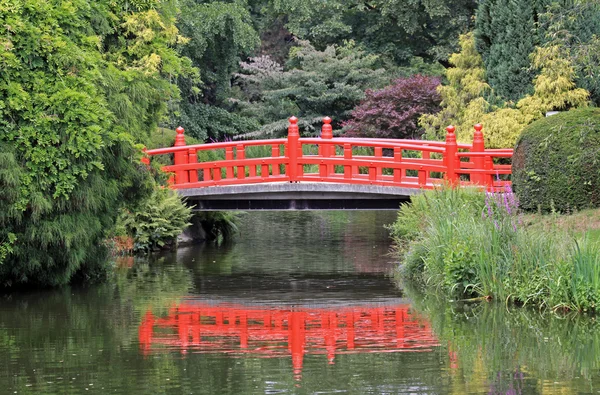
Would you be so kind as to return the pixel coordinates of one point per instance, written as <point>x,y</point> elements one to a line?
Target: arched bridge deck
<point>326,172</point>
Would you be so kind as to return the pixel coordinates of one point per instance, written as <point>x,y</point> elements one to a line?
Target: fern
<point>157,222</point>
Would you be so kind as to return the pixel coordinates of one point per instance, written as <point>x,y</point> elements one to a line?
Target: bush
<point>556,165</point>
<point>157,222</point>
<point>394,111</point>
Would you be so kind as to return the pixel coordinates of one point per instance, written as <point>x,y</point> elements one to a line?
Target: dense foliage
<point>463,95</point>
<point>466,243</point>
<point>506,35</point>
<point>395,29</point>
<point>315,84</point>
<point>556,162</point>
<point>574,27</point>
<point>77,80</point>
<point>394,111</point>
<point>386,33</point>
<point>157,222</point>
<point>465,100</point>
<point>216,45</point>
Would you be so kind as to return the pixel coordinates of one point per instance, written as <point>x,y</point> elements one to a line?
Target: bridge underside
<point>297,196</point>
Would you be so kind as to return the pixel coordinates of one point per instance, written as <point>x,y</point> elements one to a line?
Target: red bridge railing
<point>388,162</point>
<point>275,333</point>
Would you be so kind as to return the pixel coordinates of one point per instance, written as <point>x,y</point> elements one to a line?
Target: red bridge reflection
<point>205,328</point>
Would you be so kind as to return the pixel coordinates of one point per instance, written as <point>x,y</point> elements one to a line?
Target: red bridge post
<point>478,161</point>
<point>193,158</point>
<point>450,155</point>
<point>326,150</point>
<point>487,164</point>
<point>292,149</point>
<point>180,157</point>
<point>240,152</point>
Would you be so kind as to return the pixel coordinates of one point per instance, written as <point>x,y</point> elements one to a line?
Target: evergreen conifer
<point>505,35</point>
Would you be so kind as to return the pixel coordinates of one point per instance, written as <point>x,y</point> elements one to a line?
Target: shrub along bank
<point>557,161</point>
<point>467,243</point>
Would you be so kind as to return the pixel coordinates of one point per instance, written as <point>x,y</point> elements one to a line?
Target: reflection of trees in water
<point>516,350</point>
<point>59,340</point>
<point>298,242</point>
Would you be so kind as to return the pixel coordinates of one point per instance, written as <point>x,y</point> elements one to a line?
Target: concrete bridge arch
<point>297,196</point>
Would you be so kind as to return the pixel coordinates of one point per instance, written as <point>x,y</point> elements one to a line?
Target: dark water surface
<point>301,303</point>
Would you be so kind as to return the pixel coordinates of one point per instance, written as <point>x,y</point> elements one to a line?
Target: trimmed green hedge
<point>556,164</point>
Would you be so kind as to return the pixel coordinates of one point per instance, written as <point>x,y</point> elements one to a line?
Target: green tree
<point>141,61</point>
<point>505,35</point>
<point>67,159</point>
<point>464,100</point>
<point>313,85</point>
<point>395,29</point>
<point>574,26</point>
<point>394,111</point>
<point>463,97</point>
<point>217,44</point>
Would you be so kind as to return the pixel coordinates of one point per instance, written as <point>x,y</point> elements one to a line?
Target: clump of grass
<point>468,243</point>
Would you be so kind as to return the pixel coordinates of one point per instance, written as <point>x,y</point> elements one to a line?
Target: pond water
<point>300,303</point>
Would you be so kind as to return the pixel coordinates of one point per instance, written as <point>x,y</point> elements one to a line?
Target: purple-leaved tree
<point>394,111</point>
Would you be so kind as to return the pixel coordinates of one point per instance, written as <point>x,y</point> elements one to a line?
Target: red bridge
<point>278,333</point>
<point>327,172</point>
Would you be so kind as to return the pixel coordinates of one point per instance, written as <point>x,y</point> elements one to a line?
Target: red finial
<point>478,127</point>
<point>179,138</point>
<point>327,131</point>
<point>293,120</point>
<point>450,129</point>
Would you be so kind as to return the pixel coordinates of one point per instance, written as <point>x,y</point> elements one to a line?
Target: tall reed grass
<point>468,243</point>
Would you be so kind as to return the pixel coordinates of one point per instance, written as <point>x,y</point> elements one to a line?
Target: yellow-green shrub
<point>465,98</point>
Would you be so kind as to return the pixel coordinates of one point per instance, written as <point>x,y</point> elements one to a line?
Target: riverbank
<point>463,243</point>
